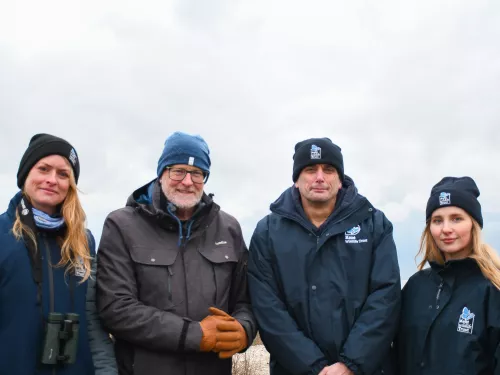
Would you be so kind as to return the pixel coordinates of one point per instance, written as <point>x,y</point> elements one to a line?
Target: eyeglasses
<point>178,174</point>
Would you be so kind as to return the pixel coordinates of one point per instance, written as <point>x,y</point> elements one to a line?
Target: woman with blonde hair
<point>48,319</point>
<point>450,317</point>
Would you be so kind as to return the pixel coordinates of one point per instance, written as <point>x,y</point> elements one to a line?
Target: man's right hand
<point>209,331</point>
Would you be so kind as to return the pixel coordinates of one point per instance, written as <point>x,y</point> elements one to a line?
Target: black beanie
<point>42,145</point>
<point>317,151</point>
<point>455,191</point>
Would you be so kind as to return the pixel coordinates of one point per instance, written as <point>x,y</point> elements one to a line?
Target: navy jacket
<point>21,328</point>
<point>450,322</point>
<point>325,295</point>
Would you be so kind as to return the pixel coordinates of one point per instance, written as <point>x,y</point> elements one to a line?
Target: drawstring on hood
<point>188,234</point>
<point>171,208</point>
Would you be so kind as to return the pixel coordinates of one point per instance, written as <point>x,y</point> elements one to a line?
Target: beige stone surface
<point>255,361</point>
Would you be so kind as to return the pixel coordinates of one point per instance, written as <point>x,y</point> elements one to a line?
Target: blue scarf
<point>44,221</point>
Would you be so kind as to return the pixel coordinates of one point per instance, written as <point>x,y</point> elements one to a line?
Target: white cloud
<point>409,91</point>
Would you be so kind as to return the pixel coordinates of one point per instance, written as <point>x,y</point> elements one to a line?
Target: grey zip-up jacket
<point>157,277</point>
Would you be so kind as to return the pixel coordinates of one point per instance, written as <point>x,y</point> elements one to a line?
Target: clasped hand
<point>336,369</point>
<point>223,334</point>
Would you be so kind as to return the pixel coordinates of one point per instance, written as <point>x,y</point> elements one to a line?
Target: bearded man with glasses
<point>172,266</point>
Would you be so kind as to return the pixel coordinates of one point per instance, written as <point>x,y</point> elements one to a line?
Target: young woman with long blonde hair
<point>450,318</point>
<point>48,319</point>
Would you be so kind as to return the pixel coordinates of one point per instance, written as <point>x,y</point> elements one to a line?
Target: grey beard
<point>182,204</point>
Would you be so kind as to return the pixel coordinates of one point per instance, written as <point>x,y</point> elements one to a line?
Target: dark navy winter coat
<point>450,322</point>
<point>21,329</point>
<point>325,295</point>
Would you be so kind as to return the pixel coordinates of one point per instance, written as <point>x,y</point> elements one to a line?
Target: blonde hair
<point>485,256</point>
<point>75,249</point>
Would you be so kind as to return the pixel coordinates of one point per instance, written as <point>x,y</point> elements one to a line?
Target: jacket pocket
<point>223,260</point>
<point>154,270</point>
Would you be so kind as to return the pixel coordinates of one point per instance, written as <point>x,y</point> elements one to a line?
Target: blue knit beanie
<point>182,148</point>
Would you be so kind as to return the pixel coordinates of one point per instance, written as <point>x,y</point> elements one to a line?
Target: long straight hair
<point>75,249</point>
<point>485,256</point>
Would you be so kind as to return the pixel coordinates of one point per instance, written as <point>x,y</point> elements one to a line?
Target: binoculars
<point>61,339</point>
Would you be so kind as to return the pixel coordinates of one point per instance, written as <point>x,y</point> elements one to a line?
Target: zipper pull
<point>438,294</point>
<point>169,283</point>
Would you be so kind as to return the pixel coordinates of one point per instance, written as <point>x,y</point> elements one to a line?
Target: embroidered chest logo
<point>466,321</point>
<point>350,235</point>
<point>79,268</point>
<point>444,198</point>
<point>315,152</point>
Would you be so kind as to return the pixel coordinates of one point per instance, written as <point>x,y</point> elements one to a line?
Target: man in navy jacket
<point>323,273</point>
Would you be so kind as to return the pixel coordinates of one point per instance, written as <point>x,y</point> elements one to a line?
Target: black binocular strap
<point>26,215</point>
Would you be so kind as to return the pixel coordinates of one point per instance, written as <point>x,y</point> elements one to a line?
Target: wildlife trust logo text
<point>350,235</point>
<point>466,321</point>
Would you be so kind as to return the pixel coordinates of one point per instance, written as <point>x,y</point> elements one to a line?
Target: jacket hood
<point>348,200</point>
<point>14,202</point>
<point>148,198</point>
<point>142,196</point>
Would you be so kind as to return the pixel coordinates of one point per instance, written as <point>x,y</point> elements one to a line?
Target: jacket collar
<point>11,213</point>
<point>456,267</point>
<point>150,200</point>
<point>348,202</point>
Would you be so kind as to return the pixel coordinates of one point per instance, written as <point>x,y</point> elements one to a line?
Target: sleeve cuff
<point>245,324</point>
<point>350,365</point>
<point>193,336</point>
<point>318,366</point>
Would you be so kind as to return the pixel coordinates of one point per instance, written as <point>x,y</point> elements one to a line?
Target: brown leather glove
<point>217,312</point>
<point>231,338</point>
<point>209,331</point>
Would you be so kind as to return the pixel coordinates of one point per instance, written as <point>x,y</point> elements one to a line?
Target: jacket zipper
<point>169,282</point>
<point>51,281</point>
<point>182,248</point>
<point>440,288</point>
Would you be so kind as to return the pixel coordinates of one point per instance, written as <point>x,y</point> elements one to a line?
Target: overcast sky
<point>408,90</point>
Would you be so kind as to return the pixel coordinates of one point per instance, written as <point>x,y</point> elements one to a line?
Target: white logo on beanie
<point>315,152</point>
<point>191,160</point>
<point>72,156</point>
<point>444,198</point>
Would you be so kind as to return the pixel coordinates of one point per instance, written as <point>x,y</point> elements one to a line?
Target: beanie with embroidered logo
<point>317,151</point>
<point>43,145</point>
<point>460,192</point>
